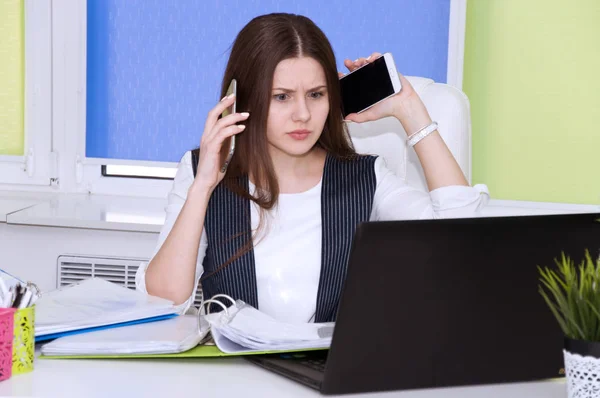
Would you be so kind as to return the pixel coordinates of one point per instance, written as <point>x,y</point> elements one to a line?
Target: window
<point>132,81</point>
<point>112,170</point>
<point>153,70</point>
<point>25,98</point>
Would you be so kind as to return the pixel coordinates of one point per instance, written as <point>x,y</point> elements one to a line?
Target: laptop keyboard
<point>316,364</point>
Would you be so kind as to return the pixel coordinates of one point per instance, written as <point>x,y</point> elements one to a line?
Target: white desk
<point>225,377</point>
<point>217,377</point>
<point>12,205</point>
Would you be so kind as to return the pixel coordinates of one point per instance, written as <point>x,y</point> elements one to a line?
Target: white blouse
<point>288,257</point>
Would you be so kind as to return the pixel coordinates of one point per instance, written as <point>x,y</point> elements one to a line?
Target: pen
<point>26,298</point>
<point>9,298</point>
<point>18,297</point>
<point>6,294</point>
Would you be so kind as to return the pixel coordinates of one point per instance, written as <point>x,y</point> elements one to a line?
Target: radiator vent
<point>121,271</point>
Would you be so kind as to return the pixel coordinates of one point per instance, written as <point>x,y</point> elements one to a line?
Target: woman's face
<point>299,107</point>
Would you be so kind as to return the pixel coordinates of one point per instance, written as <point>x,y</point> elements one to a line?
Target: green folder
<point>201,351</point>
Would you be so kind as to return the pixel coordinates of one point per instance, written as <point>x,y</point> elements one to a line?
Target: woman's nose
<point>301,111</point>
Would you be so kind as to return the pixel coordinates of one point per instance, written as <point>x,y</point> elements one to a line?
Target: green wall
<point>532,74</point>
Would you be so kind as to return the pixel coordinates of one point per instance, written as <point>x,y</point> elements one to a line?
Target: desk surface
<point>217,377</point>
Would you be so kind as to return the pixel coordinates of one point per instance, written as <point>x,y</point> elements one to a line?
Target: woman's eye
<point>316,94</point>
<point>280,97</point>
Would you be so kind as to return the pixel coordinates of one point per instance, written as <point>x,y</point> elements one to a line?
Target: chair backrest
<point>447,105</point>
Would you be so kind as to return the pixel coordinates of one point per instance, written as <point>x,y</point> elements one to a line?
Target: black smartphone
<point>369,84</point>
<point>228,147</point>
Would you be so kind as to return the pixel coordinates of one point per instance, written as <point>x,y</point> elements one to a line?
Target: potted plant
<point>572,293</point>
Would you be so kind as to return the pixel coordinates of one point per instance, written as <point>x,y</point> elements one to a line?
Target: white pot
<point>582,375</point>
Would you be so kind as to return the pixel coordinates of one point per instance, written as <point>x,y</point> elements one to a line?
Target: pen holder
<point>7,316</point>
<point>23,341</point>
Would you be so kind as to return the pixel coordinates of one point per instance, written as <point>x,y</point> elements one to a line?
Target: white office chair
<point>447,105</point>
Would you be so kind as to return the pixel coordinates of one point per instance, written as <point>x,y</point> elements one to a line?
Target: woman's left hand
<point>406,105</point>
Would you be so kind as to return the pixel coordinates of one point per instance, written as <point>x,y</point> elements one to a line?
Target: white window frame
<point>81,174</point>
<point>456,42</point>
<point>78,173</point>
<point>36,167</point>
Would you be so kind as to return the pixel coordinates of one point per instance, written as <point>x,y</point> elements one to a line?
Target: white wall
<point>31,252</point>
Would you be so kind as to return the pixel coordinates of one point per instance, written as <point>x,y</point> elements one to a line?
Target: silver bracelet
<point>413,139</point>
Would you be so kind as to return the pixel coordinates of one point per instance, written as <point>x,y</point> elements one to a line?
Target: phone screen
<point>366,86</point>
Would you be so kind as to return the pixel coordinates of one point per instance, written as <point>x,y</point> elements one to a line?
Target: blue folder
<point>52,336</point>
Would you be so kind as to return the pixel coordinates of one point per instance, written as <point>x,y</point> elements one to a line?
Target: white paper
<point>161,337</point>
<point>94,302</point>
<point>241,329</point>
<point>245,329</point>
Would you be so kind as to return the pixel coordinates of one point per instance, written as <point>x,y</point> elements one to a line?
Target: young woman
<point>275,229</point>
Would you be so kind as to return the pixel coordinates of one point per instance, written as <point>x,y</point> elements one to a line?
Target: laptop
<point>440,303</point>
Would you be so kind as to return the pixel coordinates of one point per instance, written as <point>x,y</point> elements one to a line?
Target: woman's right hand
<point>216,131</point>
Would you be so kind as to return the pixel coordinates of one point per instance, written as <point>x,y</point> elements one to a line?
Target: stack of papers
<point>245,329</point>
<point>164,337</point>
<point>95,303</point>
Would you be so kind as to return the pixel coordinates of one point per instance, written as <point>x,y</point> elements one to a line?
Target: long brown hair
<point>258,48</point>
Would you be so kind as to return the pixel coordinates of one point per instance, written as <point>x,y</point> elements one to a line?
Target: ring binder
<point>239,329</point>
<point>207,337</point>
<point>245,329</point>
<point>213,300</point>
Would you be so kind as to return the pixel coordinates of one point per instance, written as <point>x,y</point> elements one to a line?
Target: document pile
<point>243,328</point>
<point>95,303</point>
<point>239,329</point>
<point>169,336</point>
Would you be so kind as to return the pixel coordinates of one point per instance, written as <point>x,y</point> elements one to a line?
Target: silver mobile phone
<point>229,145</point>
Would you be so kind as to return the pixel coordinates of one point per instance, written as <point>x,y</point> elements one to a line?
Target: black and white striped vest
<point>348,187</point>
